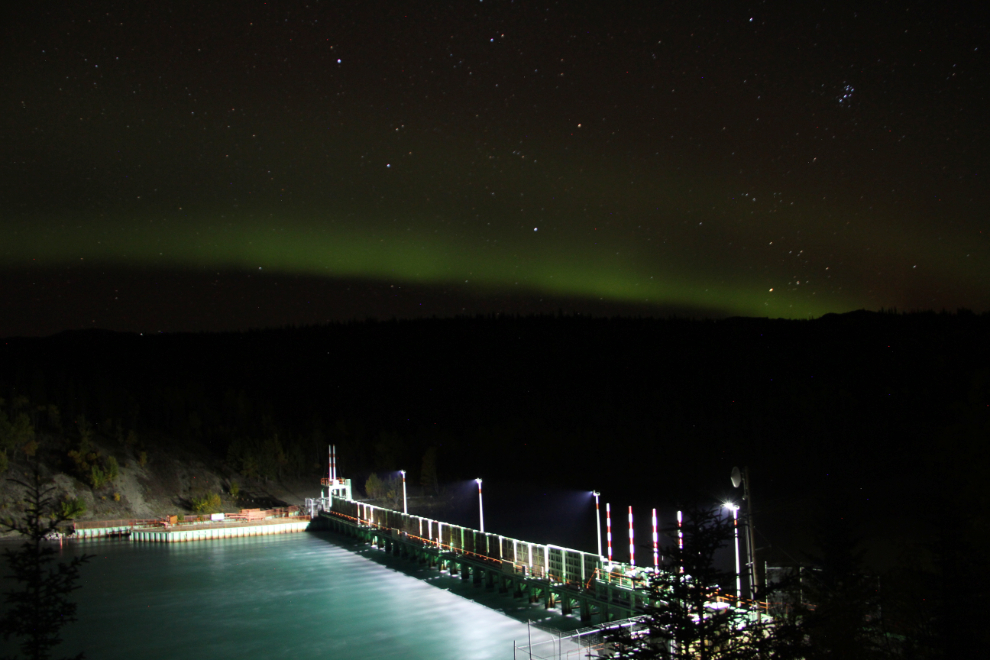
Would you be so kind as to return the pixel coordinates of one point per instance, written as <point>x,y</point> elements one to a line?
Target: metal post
<point>735,526</point>
<point>481,508</point>
<point>754,585</point>
<point>598,524</point>
<point>405,509</point>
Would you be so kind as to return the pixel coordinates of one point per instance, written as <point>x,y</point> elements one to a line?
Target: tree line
<point>832,606</point>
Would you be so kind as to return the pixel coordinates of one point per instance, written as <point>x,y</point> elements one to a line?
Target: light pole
<point>735,525</point>
<point>742,478</point>
<point>481,507</point>
<point>598,523</point>
<point>405,509</point>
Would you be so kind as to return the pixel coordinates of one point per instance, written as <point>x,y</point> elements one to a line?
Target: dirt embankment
<point>163,483</point>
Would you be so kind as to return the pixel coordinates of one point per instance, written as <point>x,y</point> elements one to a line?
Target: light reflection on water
<point>289,596</point>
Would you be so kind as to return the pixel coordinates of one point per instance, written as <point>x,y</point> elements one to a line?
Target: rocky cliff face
<point>163,483</point>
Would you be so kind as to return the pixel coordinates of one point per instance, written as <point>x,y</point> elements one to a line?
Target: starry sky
<point>221,165</point>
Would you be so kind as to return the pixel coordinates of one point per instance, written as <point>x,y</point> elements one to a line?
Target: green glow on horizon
<point>392,256</point>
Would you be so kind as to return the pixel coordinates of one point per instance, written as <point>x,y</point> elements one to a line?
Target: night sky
<point>222,165</point>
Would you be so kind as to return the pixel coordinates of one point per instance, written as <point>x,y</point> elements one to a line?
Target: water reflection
<point>290,596</point>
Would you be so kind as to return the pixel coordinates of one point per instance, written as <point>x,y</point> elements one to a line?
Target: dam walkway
<point>575,581</point>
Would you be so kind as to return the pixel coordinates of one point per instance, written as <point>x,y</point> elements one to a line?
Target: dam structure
<point>578,582</point>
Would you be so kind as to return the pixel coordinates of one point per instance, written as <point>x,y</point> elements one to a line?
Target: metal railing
<point>587,642</point>
<point>127,522</point>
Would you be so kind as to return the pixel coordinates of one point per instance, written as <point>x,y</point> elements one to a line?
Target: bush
<point>235,489</point>
<point>208,503</point>
<point>97,477</point>
<point>91,466</point>
<point>374,488</point>
<point>16,434</point>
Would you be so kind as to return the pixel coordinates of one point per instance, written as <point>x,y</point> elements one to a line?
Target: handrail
<point>623,581</point>
<point>437,543</point>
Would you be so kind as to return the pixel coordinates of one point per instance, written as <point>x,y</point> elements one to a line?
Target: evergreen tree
<point>39,606</point>
<point>843,618</point>
<point>687,617</point>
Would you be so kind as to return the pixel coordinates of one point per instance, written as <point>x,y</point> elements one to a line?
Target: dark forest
<point>666,405</point>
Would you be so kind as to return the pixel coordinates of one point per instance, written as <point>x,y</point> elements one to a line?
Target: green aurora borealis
<point>396,166</point>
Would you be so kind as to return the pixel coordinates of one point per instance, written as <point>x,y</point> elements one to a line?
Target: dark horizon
<point>48,301</point>
<point>51,300</point>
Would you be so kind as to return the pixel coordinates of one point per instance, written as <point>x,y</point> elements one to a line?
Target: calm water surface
<point>290,596</point>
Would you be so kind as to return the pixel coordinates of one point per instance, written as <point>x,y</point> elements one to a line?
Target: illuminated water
<point>290,596</point>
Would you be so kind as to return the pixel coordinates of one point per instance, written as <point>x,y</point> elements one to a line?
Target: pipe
<point>598,523</point>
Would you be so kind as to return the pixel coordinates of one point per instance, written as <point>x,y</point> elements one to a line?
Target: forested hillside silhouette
<point>553,398</point>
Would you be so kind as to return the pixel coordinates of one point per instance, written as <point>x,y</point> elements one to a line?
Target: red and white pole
<point>632,546</point>
<point>608,531</point>
<point>656,546</point>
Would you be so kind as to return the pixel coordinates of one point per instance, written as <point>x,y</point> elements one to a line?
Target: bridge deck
<point>597,592</point>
